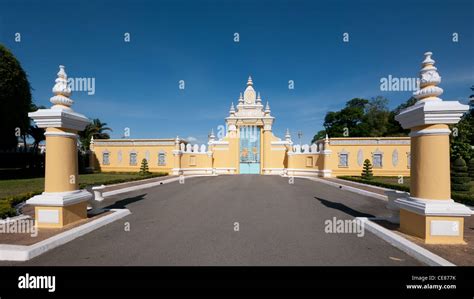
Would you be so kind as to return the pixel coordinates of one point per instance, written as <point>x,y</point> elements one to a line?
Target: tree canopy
<point>97,129</point>
<point>15,100</point>
<point>364,118</point>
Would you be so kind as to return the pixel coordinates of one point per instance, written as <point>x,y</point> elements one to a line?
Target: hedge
<point>8,203</point>
<point>376,183</point>
<point>459,197</point>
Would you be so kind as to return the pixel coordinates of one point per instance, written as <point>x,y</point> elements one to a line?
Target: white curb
<point>361,184</point>
<point>346,187</point>
<point>410,248</point>
<point>145,186</point>
<point>24,253</point>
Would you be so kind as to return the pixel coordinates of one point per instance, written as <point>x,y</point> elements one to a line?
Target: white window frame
<point>104,160</point>
<point>162,161</point>
<point>381,160</point>
<point>130,159</point>
<point>340,154</point>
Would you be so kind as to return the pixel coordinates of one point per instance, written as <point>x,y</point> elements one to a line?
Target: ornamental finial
<point>249,81</point>
<point>267,108</point>
<point>429,79</point>
<point>61,90</point>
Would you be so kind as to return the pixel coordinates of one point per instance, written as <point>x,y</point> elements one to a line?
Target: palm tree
<point>37,134</point>
<point>34,132</point>
<point>96,129</point>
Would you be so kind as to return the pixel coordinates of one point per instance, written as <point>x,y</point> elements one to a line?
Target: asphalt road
<point>194,224</point>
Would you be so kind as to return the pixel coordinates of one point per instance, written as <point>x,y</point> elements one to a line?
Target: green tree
<point>37,134</point>
<point>97,129</point>
<point>462,136</point>
<point>394,129</point>
<point>364,118</point>
<point>376,118</point>
<point>34,131</point>
<point>346,120</point>
<point>144,167</point>
<point>320,135</point>
<point>15,100</point>
<point>459,176</point>
<point>367,170</point>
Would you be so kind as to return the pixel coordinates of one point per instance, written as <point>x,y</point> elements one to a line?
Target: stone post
<point>326,171</point>
<point>266,140</point>
<point>177,153</point>
<point>61,203</point>
<point>429,212</point>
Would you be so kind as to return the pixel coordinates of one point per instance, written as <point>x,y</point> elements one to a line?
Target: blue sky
<point>136,83</point>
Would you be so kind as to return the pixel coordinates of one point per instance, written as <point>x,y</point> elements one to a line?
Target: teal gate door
<point>249,150</point>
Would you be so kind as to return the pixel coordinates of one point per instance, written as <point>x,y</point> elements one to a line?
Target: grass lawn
<point>392,180</point>
<point>15,191</point>
<point>19,186</point>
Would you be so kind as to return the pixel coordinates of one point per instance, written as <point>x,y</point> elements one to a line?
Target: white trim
<point>60,199</point>
<point>218,142</point>
<point>430,132</point>
<point>195,153</point>
<point>59,118</point>
<point>61,134</point>
<point>280,142</point>
<point>433,207</point>
<point>374,141</point>
<point>132,142</point>
<point>431,112</point>
<point>273,171</point>
<point>278,148</point>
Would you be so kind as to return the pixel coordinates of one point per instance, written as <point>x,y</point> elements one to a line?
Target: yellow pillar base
<point>58,217</point>
<point>433,229</point>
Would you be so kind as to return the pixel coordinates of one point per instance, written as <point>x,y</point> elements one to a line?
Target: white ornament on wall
<point>395,157</point>
<point>360,157</point>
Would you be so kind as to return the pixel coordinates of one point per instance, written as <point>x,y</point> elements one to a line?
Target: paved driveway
<point>193,224</point>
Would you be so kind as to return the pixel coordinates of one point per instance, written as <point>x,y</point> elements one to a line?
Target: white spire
<point>61,90</point>
<point>232,109</point>
<point>267,108</point>
<point>259,99</point>
<point>241,99</point>
<point>249,81</point>
<point>288,135</point>
<point>429,79</point>
<point>212,137</point>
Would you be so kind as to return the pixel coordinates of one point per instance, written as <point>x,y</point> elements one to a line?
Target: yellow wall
<point>387,169</point>
<point>124,165</point>
<point>196,160</point>
<point>274,156</point>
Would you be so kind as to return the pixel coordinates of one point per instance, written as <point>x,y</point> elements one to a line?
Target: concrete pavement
<point>193,224</point>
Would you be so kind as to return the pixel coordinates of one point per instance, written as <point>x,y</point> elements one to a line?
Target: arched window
<point>161,158</point>
<point>133,158</point>
<point>105,158</point>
